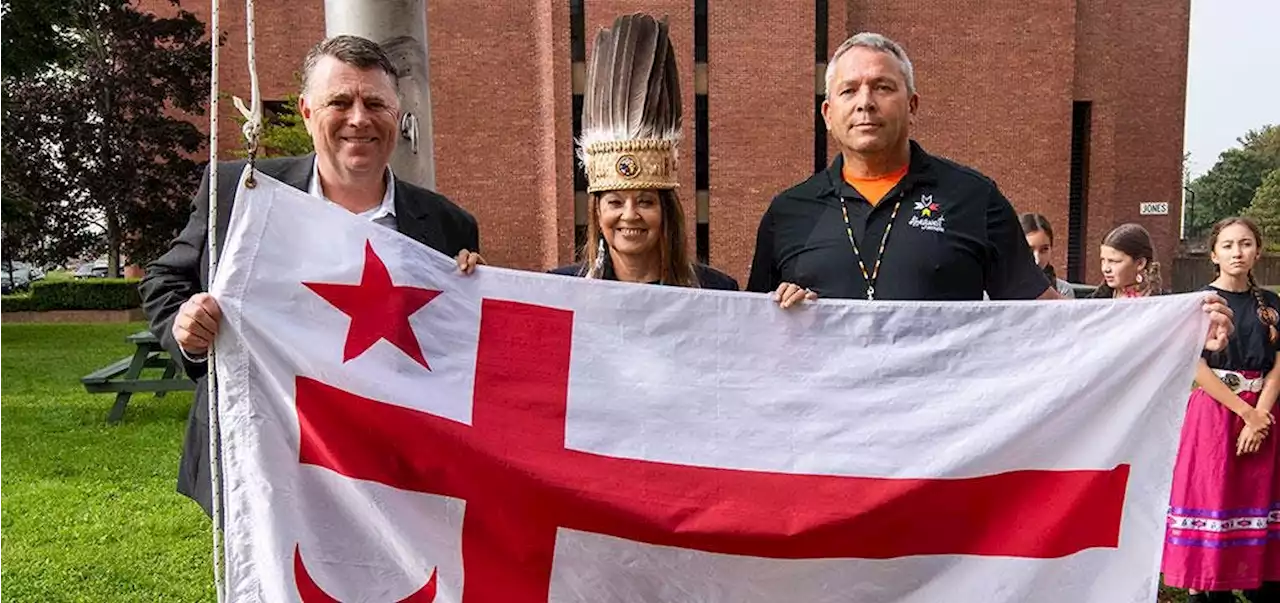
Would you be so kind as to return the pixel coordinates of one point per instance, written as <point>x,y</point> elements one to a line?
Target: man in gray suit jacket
<point>351,110</point>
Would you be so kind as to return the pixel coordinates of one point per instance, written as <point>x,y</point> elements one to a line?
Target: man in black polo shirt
<point>889,221</point>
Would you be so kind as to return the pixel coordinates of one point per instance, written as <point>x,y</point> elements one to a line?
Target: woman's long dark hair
<point>676,265</point>
<point>1032,223</point>
<point>1266,313</point>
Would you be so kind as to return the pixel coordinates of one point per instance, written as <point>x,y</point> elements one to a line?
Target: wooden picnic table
<point>124,377</point>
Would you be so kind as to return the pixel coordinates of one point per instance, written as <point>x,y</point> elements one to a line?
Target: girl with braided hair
<point>1223,529</point>
<point>1129,266</point>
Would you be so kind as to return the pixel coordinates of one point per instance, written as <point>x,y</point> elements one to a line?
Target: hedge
<point>17,303</point>
<point>86,294</point>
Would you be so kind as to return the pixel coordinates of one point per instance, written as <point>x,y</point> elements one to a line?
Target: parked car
<point>96,269</point>
<point>15,276</point>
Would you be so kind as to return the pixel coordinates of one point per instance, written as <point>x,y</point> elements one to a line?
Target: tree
<point>39,222</point>
<point>1264,142</point>
<point>283,132</point>
<point>1228,187</point>
<point>1265,209</point>
<point>32,35</point>
<point>110,144</point>
<point>32,42</point>
<point>19,232</point>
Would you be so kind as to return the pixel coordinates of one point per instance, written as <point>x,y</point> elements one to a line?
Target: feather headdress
<point>631,109</point>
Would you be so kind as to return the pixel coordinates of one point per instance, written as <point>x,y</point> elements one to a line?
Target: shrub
<point>86,294</point>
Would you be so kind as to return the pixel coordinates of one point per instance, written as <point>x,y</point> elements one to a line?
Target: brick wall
<point>995,84</point>
<point>760,75</point>
<point>501,96</point>
<point>1132,65</point>
<point>997,79</point>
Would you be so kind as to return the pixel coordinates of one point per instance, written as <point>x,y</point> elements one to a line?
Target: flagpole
<point>211,378</point>
<point>400,27</point>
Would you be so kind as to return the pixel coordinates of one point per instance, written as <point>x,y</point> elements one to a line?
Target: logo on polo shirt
<point>928,215</point>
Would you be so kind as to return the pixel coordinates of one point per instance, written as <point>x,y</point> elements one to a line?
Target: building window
<point>273,111</point>
<point>578,69</point>
<point>1078,194</point>
<point>820,52</point>
<point>701,135</point>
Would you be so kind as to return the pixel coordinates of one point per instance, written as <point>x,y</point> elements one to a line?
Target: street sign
<point>1153,209</point>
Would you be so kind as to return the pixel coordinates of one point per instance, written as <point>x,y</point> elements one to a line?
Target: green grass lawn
<point>89,510</point>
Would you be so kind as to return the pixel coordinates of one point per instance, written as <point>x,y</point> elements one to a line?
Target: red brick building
<point>1074,107</point>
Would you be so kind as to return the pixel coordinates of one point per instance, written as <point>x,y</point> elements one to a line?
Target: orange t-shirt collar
<point>874,189</point>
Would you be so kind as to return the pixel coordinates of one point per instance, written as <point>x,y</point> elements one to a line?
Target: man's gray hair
<point>358,52</point>
<point>873,41</point>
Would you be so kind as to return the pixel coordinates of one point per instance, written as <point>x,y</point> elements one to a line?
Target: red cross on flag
<point>396,431</point>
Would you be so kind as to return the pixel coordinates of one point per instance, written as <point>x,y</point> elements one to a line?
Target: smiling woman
<point>635,228</point>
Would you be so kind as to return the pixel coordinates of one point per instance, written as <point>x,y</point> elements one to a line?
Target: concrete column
<point>400,26</point>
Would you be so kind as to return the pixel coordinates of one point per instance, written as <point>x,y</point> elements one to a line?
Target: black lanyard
<point>884,240</point>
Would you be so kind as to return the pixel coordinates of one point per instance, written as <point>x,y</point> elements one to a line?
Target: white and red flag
<point>396,431</point>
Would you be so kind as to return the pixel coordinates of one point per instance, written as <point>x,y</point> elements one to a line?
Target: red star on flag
<point>378,309</point>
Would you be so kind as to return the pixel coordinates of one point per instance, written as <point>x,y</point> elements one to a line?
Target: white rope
<point>211,379</point>
<point>253,113</point>
<point>252,131</point>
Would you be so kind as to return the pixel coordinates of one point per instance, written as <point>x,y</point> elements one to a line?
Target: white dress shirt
<point>386,208</point>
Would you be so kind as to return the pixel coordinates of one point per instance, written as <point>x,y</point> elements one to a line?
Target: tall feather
<point>633,88</point>
<point>589,93</point>
<point>593,107</point>
<point>644,41</point>
<point>625,61</point>
<point>663,96</point>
